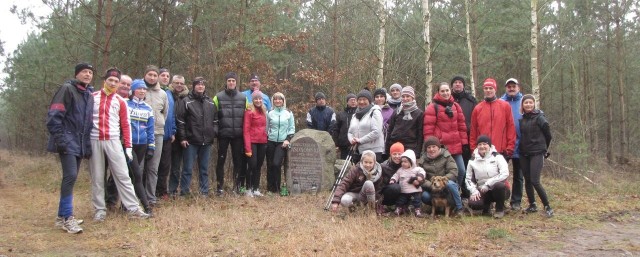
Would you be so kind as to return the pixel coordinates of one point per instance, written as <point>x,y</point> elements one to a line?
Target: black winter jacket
<point>197,119</point>
<point>69,119</point>
<point>343,119</point>
<point>231,106</point>
<point>467,102</point>
<point>407,132</point>
<point>535,134</point>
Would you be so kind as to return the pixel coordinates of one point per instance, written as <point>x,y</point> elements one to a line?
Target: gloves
<point>128,152</point>
<point>248,154</point>
<point>507,154</point>
<point>547,154</point>
<point>150,153</point>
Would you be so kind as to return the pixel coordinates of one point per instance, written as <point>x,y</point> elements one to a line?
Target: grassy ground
<point>590,220</point>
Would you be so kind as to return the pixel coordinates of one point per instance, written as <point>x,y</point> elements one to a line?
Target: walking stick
<point>340,176</point>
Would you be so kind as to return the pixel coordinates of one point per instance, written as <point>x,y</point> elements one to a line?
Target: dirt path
<point>618,235</point>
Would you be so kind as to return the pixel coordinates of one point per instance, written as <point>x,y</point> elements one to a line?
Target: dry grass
<point>287,226</point>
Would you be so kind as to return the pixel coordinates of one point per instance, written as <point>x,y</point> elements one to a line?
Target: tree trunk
<point>334,63</point>
<point>108,31</point>
<point>609,94</point>
<point>471,44</point>
<point>620,73</point>
<point>535,87</point>
<point>381,44</point>
<point>163,32</point>
<point>194,49</point>
<point>97,34</point>
<point>426,18</point>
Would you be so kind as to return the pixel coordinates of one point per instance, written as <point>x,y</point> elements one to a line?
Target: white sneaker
<point>257,193</point>
<point>138,214</point>
<point>71,225</point>
<point>60,222</point>
<point>100,216</point>
<point>248,193</point>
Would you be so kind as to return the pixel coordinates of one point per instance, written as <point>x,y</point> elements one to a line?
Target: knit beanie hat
<point>137,84</point>
<point>396,86</point>
<point>366,94</point>
<point>231,75</point>
<point>151,68</point>
<point>350,95</point>
<point>320,95</point>
<point>256,94</point>
<point>112,72</point>
<point>82,66</point>
<point>525,97</point>
<point>490,82</point>
<point>456,78</point>
<point>396,148</point>
<point>380,91</point>
<point>254,76</point>
<point>197,80</point>
<point>408,90</point>
<point>484,139</point>
<point>431,140</point>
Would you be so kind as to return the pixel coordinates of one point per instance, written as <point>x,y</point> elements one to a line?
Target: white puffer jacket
<point>486,171</point>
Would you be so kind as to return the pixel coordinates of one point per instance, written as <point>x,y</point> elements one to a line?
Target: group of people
<point>149,132</point>
<point>403,153</point>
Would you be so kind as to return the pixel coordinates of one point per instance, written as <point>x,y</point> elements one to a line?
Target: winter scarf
<point>407,108</point>
<point>360,112</point>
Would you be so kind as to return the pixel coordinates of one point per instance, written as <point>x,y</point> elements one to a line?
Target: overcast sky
<point>12,32</point>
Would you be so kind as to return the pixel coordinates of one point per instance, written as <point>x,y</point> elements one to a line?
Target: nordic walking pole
<point>340,176</point>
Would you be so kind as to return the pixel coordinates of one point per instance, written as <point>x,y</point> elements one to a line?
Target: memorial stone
<point>310,161</point>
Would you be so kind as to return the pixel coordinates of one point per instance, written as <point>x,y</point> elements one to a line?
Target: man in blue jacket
<point>514,98</point>
<point>69,124</point>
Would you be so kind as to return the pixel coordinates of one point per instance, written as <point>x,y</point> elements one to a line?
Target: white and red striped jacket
<point>110,118</point>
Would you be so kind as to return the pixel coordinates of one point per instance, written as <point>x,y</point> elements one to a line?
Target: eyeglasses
<point>178,83</point>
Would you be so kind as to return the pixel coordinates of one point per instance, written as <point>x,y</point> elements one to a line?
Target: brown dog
<point>440,195</point>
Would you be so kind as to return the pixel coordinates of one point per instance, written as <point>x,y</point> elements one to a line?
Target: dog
<point>440,195</point>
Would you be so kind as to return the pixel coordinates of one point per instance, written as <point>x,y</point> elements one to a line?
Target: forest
<point>577,56</point>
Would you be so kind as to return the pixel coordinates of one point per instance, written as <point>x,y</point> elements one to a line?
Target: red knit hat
<point>396,148</point>
<point>490,82</point>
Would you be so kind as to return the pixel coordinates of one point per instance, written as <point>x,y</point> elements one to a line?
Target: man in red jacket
<point>493,117</point>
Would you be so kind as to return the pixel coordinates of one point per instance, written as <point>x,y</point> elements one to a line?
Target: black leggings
<point>531,168</point>
<point>275,158</point>
<point>136,178</point>
<point>255,165</point>
<point>497,194</point>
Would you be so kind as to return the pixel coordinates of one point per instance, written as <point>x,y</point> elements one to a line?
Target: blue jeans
<point>203,152</point>
<point>453,188</point>
<point>462,174</point>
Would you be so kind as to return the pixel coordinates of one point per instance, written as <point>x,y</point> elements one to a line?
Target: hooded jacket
<point>466,101</point>
<point>69,119</point>
<point>255,127</point>
<point>442,165</point>
<point>354,181</point>
<point>486,171</point>
<point>402,175</point>
<point>515,103</point>
<point>197,119</point>
<point>159,102</point>
<point>535,133</point>
<point>142,123</point>
<point>231,106</point>
<point>452,131</point>
<point>494,119</point>
<point>280,123</point>
<point>368,130</point>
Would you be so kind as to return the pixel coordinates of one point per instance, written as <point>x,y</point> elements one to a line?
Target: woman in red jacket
<point>255,142</point>
<point>444,119</point>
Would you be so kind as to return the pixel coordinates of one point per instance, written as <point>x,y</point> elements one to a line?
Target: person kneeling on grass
<point>410,177</point>
<point>437,161</point>
<point>360,184</point>
<point>486,178</point>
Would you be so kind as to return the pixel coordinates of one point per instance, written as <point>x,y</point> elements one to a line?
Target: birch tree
<point>535,87</point>
<point>426,18</point>
<point>381,43</point>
